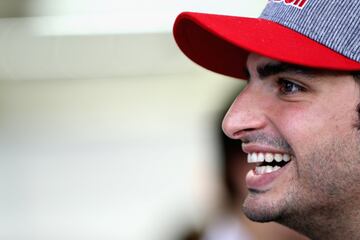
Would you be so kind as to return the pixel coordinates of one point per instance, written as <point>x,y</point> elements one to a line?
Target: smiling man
<point>298,116</point>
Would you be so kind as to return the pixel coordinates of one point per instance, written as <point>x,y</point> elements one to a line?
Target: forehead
<point>266,67</point>
<point>255,60</point>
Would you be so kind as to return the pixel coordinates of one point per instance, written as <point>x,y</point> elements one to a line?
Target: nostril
<point>241,133</point>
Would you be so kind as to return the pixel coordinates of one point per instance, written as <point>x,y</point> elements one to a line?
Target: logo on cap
<point>295,3</point>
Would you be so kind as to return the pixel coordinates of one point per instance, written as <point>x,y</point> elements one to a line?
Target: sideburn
<point>356,76</point>
<point>357,123</point>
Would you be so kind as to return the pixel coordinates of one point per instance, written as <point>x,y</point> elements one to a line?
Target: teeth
<point>278,157</point>
<point>276,168</point>
<point>260,170</point>
<point>253,157</point>
<point>267,157</point>
<point>266,169</point>
<point>260,157</point>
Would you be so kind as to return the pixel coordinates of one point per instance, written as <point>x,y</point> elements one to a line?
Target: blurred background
<point>107,131</point>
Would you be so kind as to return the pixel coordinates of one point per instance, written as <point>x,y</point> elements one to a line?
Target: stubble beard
<point>322,189</point>
<point>259,209</point>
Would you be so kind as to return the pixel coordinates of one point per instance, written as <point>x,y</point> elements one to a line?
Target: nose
<point>245,115</point>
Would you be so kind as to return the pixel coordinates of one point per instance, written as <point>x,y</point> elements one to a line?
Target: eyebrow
<point>270,69</point>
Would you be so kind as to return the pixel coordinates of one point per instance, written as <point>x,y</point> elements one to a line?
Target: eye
<point>287,87</point>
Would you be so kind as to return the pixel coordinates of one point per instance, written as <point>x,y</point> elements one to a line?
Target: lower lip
<point>262,182</point>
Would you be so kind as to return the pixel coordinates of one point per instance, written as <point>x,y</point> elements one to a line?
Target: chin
<point>261,211</point>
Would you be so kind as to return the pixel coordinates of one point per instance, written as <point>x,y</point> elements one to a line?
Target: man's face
<point>303,123</point>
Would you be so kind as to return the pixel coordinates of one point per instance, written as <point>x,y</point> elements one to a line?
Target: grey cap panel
<point>333,23</point>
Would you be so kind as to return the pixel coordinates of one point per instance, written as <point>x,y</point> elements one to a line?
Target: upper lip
<point>256,148</point>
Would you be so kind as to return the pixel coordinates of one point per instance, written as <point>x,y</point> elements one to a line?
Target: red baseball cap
<point>283,32</point>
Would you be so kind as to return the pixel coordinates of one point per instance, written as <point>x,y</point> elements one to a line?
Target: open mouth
<point>268,162</point>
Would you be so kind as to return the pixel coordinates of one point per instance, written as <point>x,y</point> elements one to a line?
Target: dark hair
<point>356,76</point>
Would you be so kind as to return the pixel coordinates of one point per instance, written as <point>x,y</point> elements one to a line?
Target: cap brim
<point>222,43</point>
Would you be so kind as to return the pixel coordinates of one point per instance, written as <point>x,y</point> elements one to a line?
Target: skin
<point>312,117</point>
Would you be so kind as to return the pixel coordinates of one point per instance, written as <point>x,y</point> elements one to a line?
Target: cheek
<point>329,166</point>
<point>323,141</point>
<point>299,125</point>
<point>309,123</point>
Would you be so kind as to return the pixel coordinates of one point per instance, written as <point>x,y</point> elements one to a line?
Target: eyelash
<point>284,83</point>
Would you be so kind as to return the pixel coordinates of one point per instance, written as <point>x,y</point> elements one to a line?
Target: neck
<point>335,223</point>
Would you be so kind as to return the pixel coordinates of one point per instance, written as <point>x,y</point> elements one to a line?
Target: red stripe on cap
<point>222,43</point>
